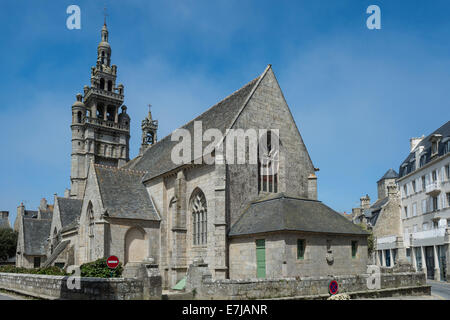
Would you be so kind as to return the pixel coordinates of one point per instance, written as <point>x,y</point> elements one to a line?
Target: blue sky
<point>357,95</point>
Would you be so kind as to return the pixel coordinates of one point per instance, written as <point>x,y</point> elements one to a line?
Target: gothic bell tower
<point>100,133</point>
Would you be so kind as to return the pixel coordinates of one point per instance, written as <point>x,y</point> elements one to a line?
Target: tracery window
<point>199,218</point>
<point>268,162</point>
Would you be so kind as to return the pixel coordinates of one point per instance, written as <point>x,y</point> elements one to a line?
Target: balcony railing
<point>433,188</point>
<point>433,233</point>
<point>104,93</point>
<point>389,239</point>
<point>107,123</point>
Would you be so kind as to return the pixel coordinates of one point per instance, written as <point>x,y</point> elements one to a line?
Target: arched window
<point>109,85</point>
<point>102,82</point>
<point>199,218</point>
<point>79,117</point>
<point>268,162</point>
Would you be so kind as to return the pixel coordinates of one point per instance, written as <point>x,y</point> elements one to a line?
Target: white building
<point>424,184</point>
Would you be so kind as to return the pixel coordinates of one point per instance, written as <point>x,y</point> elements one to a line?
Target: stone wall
<point>55,287</point>
<point>145,284</point>
<point>201,284</point>
<point>281,255</point>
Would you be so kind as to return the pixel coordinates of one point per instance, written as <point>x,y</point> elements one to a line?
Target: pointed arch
<point>199,217</point>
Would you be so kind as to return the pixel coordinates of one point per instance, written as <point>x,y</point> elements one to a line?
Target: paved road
<point>6,297</point>
<point>440,289</point>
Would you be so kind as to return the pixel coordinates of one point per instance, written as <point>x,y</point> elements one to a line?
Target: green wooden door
<point>261,258</point>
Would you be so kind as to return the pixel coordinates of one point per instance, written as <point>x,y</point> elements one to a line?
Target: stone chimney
<point>4,214</point>
<point>365,202</point>
<point>392,190</point>
<point>20,214</point>
<point>43,204</point>
<point>312,186</point>
<point>413,142</point>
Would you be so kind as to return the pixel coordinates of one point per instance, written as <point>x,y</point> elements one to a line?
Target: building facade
<point>152,207</point>
<point>383,217</point>
<point>424,184</point>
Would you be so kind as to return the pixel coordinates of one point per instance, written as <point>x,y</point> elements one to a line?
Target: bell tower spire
<point>100,132</point>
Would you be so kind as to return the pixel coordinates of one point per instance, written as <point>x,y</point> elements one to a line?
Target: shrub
<point>99,268</point>
<point>50,271</point>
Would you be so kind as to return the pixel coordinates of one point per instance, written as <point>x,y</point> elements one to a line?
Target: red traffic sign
<point>333,287</point>
<point>112,262</point>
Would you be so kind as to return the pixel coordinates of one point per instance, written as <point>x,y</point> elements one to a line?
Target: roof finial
<point>105,15</point>
<point>150,111</point>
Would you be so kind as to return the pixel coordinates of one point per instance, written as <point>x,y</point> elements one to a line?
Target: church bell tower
<point>100,133</point>
<point>149,129</point>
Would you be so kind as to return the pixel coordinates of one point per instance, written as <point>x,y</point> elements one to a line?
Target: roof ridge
<point>282,195</point>
<point>120,169</point>
<point>216,104</point>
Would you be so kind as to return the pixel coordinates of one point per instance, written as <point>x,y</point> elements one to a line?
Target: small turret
<point>149,129</point>
<point>78,110</point>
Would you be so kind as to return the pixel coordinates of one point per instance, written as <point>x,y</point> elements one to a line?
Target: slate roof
<point>31,214</point>
<point>378,204</point>
<point>283,213</point>
<point>390,174</point>
<point>69,210</point>
<point>47,214</point>
<point>408,166</point>
<point>73,225</point>
<point>123,194</point>
<point>35,234</point>
<point>157,158</point>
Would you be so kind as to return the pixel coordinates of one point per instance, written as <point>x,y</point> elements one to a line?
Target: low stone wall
<point>144,287</point>
<point>200,283</point>
<point>55,287</point>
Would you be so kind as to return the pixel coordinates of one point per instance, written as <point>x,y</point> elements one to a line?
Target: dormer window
<point>435,139</point>
<point>423,160</point>
<point>446,143</point>
<point>434,148</point>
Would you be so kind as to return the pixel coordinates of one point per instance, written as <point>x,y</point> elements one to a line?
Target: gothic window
<point>109,85</point>
<point>268,161</point>
<point>102,82</point>
<point>79,117</point>
<point>199,218</point>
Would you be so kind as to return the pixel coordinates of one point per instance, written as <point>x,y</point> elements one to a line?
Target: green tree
<point>8,243</point>
<point>370,239</point>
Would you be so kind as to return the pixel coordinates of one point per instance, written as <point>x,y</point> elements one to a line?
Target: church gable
<point>267,109</point>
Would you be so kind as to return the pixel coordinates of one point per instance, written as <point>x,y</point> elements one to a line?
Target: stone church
<point>242,221</point>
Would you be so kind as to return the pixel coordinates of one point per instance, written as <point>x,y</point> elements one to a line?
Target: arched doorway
<point>135,245</point>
